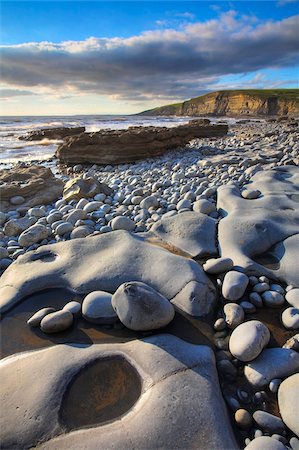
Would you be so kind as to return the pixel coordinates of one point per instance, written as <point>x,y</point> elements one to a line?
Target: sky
<point>120,57</point>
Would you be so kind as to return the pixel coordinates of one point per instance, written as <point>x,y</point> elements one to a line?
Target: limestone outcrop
<point>245,102</point>
<point>52,133</point>
<point>124,146</point>
<point>36,184</point>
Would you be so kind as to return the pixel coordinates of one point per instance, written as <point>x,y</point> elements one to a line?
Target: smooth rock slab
<point>271,363</point>
<point>193,233</point>
<point>97,308</point>
<point>179,383</point>
<point>141,308</point>
<point>248,340</point>
<point>288,402</point>
<point>101,262</point>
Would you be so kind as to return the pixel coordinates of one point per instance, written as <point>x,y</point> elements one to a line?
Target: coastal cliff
<point>249,102</point>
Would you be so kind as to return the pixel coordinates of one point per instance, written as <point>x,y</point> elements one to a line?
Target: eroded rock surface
<point>261,235</point>
<point>102,262</point>
<point>52,133</point>
<point>36,184</point>
<point>159,367</point>
<point>123,146</point>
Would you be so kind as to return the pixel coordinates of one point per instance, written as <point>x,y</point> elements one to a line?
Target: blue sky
<point>79,57</point>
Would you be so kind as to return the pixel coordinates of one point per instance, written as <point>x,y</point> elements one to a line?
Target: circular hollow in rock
<point>101,392</point>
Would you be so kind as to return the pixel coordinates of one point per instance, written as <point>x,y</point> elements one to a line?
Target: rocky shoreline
<point>177,274</point>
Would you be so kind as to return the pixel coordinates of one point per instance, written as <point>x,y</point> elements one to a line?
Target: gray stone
<point>248,340</point>
<point>292,297</point>
<point>195,300</point>
<point>36,319</point>
<point>92,206</point>
<point>234,285</point>
<point>122,223</point>
<point>218,265</point>
<point>17,200</point>
<point>268,422</point>
<point>261,287</point>
<point>273,299</point>
<point>73,307</point>
<point>16,226</point>
<point>191,232</point>
<point>57,321</point>
<point>149,202</point>
<point>256,299</point>
<point>36,212</point>
<point>265,443</point>
<point>162,364</point>
<point>76,214</point>
<point>3,252</point>
<point>64,228</point>
<point>183,204</point>
<point>141,308</point>
<point>288,402</point>
<point>271,363</point>
<point>290,318</point>
<point>4,263</point>
<point>204,206</point>
<point>80,232</point>
<point>106,261</point>
<point>233,315</point>
<point>97,308</point>
<point>32,235</point>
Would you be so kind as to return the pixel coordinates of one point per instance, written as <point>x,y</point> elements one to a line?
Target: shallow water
<point>13,150</point>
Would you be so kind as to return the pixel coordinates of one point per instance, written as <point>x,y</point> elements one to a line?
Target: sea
<point>14,150</point>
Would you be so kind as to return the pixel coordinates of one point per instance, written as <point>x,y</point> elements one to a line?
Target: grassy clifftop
<point>241,102</point>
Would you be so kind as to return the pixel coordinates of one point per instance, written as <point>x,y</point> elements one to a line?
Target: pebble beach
<point>173,280</point>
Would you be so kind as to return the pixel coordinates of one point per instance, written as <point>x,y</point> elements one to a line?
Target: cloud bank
<point>156,64</point>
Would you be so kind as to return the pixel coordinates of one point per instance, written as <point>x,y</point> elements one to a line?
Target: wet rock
<point>52,133</point>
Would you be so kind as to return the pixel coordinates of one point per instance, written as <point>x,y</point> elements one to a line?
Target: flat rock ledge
<point>52,133</point>
<point>192,417</point>
<point>124,146</point>
<point>34,185</point>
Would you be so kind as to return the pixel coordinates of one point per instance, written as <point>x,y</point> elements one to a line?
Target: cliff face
<point>274,102</point>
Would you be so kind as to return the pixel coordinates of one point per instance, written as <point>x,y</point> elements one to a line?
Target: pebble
<point>292,297</point>
<point>218,265</point>
<point>149,202</point>
<point>233,315</point>
<point>17,200</point>
<point>248,340</point>
<point>220,324</point>
<point>250,194</point>
<point>122,223</point>
<point>36,319</point>
<point>73,307</point>
<point>268,422</point>
<point>32,235</point>
<point>265,443</point>
<point>64,228</point>
<point>290,318</point>
<point>57,321</point>
<point>141,308</point>
<point>4,263</point>
<point>80,232</point>
<point>294,443</point>
<point>243,418</point>
<point>92,206</point>
<point>3,253</point>
<point>261,287</point>
<point>256,299</point>
<point>234,285</point>
<point>204,206</point>
<point>97,308</point>
<point>273,299</point>
<point>274,385</point>
<point>248,307</point>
